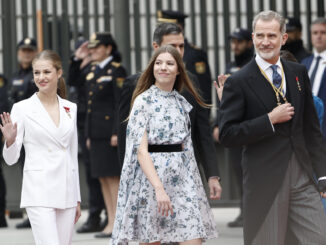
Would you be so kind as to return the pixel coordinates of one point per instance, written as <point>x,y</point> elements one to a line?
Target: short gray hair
<point>270,15</point>
<point>319,21</point>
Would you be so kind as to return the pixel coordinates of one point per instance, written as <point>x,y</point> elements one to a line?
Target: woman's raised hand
<point>163,202</point>
<point>8,129</point>
<point>82,52</point>
<point>219,84</point>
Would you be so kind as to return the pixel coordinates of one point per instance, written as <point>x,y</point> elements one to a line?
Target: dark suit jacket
<point>200,129</point>
<point>247,98</point>
<point>322,90</point>
<point>196,62</point>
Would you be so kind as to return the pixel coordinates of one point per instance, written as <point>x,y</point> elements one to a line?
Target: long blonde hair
<point>147,78</point>
<point>57,63</point>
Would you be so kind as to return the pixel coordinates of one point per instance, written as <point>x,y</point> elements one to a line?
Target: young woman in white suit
<point>45,124</point>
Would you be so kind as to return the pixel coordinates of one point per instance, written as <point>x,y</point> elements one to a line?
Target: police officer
<point>22,86</point>
<point>78,69</point>
<point>3,108</point>
<point>294,43</point>
<point>21,83</point>
<point>195,58</point>
<point>104,79</point>
<point>242,48</point>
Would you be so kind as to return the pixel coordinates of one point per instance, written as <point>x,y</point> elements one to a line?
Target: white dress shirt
<point>320,70</point>
<point>266,67</point>
<point>103,63</point>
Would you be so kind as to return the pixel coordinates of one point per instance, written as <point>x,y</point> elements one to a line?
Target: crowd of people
<point>142,136</point>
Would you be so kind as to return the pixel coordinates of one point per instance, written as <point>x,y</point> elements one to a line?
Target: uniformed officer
<point>3,108</point>
<point>79,67</point>
<point>242,48</point>
<point>104,80</point>
<point>21,83</point>
<point>22,86</point>
<point>195,58</point>
<point>294,43</point>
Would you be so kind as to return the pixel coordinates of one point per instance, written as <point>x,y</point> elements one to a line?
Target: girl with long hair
<point>161,198</point>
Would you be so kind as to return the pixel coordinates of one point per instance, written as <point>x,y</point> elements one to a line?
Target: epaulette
<point>115,64</point>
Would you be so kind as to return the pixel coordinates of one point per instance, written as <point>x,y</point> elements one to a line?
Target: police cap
<point>27,43</point>
<point>171,16</point>
<point>241,34</point>
<point>293,24</point>
<point>104,38</point>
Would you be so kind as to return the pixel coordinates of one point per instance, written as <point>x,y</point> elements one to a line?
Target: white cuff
<point>271,123</point>
<point>10,153</point>
<point>322,178</point>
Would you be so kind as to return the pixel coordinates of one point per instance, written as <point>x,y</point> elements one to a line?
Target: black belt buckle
<point>165,148</point>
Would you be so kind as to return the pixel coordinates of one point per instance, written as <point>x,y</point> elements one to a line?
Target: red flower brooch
<point>67,109</point>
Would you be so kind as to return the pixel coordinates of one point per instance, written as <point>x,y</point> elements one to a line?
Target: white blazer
<point>50,177</point>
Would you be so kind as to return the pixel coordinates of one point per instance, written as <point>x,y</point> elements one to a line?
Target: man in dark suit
<point>242,47</point>
<point>316,63</point>
<point>171,34</point>
<point>195,58</point>
<point>267,107</point>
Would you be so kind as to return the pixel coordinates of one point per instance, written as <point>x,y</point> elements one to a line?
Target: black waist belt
<point>165,148</point>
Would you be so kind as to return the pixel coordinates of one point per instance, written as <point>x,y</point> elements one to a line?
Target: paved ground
<point>228,236</point>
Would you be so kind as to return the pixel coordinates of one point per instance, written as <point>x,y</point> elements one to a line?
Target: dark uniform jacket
<point>239,61</point>
<point>22,85</point>
<point>196,62</point>
<point>200,129</point>
<point>247,99</point>
<point>103,88</point>
<point>297,49</point>
<point>76,78</point>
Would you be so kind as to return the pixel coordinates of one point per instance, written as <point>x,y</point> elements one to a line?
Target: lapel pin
<point>298,83</point>
<point>67,109</point>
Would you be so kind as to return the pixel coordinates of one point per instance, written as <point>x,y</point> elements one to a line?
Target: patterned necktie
<point>314,71</point>
<point>277,79</point>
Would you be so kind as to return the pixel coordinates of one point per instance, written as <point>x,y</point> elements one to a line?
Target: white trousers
<point>52,226</point>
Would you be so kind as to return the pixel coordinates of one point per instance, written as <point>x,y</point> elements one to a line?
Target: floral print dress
<point>164,116</point>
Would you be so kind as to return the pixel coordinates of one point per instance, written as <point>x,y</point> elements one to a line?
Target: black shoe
<point>238,222</point>
<point>3,222</point>
<point>90,226</point>
<point>103,235</point>
<point>24,224</point>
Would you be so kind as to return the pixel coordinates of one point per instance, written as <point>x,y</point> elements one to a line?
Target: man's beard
<point>269,55</point>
